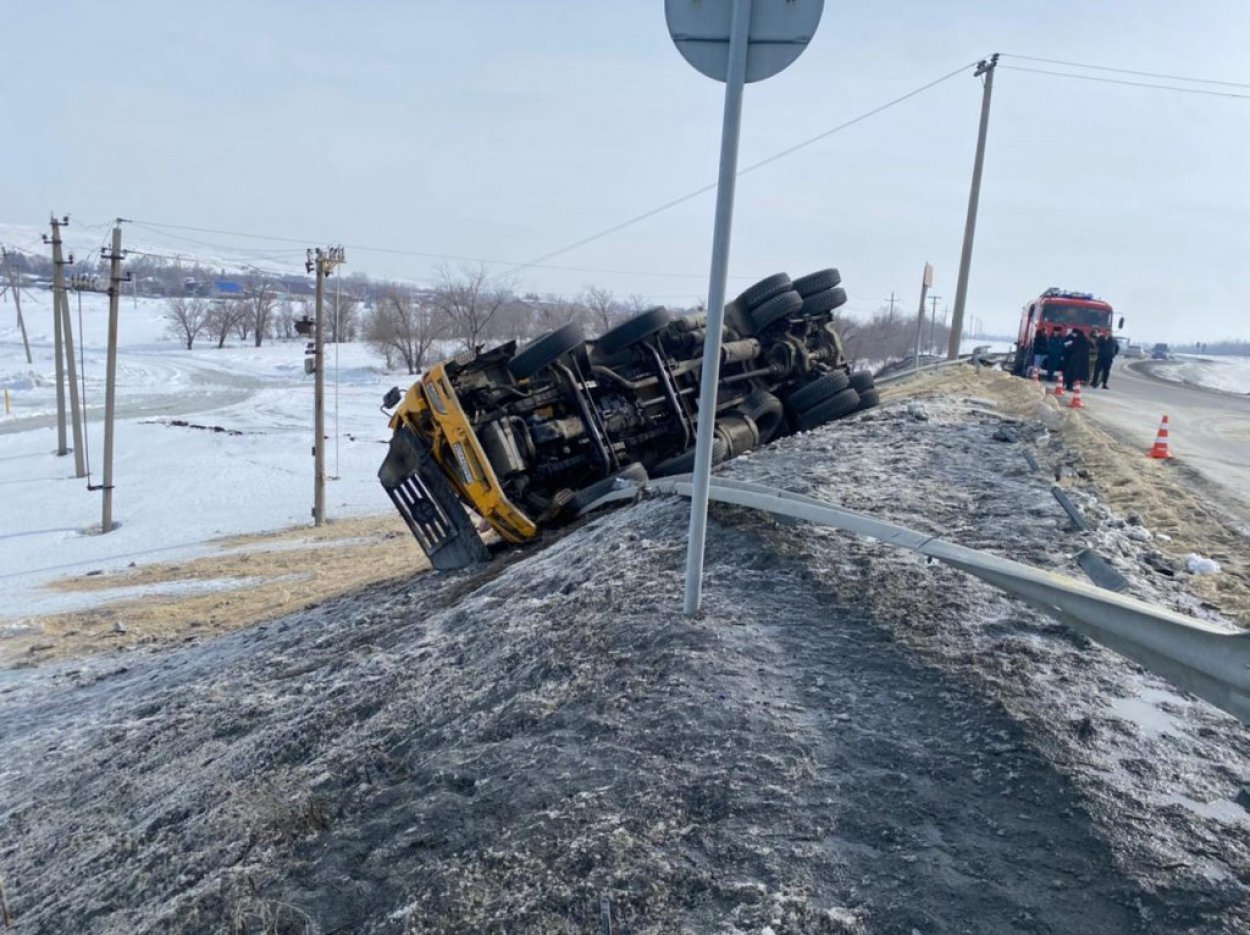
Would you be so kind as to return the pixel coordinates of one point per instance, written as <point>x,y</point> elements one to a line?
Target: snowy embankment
<point>209,443</point>
<point>847,740</point>
<point>1226,374</point>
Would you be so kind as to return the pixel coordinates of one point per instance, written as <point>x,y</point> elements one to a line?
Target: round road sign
<point>780,31</point>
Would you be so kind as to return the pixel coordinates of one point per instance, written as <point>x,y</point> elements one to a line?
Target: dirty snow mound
<point>846,740</point>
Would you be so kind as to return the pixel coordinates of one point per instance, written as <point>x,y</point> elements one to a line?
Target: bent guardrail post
<point>1200,657</point>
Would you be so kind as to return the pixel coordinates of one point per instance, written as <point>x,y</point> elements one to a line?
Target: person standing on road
<point>1054,355</point>
<point>1076,359</point>
<point>1039,350</point>
<point>1108,347</point>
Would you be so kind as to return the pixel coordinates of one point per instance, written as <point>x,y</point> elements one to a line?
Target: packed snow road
<point>847,740</point>
<point>1209,430</point>
<point>154,383</point>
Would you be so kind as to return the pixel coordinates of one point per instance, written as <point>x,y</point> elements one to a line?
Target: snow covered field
<point>239,463</point>
<point>1227,374</point>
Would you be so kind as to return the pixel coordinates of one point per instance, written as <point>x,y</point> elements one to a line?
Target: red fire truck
<point>1057,311</point>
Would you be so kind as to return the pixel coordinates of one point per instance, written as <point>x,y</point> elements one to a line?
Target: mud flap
<point>428,503</point>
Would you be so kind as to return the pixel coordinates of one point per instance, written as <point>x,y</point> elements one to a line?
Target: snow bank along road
<point>1209,430</point>
<point>847,740</point>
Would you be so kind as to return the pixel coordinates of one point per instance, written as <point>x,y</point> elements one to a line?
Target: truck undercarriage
<point>529,438</point>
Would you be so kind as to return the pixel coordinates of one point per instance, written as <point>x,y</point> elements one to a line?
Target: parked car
<point>1135,352</point>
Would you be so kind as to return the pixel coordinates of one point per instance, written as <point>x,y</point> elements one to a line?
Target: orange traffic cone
<point>1058,383</point>
<point>1161,449</point>
<point>1077,402</point>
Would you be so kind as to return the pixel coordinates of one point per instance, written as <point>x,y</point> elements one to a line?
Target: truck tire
<point>835,407</point>
<point>764,290</point>
<point>820,389</point>
<point>868,398</point>
<point>779,306</point>
<point>818,281</point>
<point>826,301</point>
<point>862,380</point>
<point>684,462</point>
<point>544,351</point>
<point>633,330</point>
<point>766,411</point>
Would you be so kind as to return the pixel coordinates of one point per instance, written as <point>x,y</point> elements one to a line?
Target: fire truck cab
<point>1058,311</point>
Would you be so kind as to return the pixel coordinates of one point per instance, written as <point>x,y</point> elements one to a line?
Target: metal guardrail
<point>903,373</point>
<point>1199,657</point>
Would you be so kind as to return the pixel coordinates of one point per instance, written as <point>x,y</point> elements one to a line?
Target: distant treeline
<point>404,322</point>
<point>1229,346</point>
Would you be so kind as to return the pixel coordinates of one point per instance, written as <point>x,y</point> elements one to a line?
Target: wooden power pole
<point>17,300</point>
<point>114,256</point>
<point>65,344</point>
<point>985,68</point>
<point>323,262</point>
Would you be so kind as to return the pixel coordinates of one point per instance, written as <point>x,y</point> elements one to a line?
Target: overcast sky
<point>504,130</point>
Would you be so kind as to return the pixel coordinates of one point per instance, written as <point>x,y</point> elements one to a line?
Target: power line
<point>162,228</point>
<point>540,262</point>
<point>1126,71</point>
<point>1134,84</point>
<point>741,172</point>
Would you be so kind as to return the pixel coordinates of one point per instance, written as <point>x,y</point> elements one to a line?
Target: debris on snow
<point>1198,565</point>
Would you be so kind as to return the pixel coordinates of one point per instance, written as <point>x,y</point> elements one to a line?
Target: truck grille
<point>427,520</point>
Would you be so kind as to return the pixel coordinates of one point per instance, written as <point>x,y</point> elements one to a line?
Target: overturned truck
<point>532,438</point>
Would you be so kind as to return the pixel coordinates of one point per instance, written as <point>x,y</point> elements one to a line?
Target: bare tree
<point>637,303</point>
<point>261,301</point>
<point>400,326</point>
<point>552,312</point>
<point>187,318</point>
<point>603,307</point>
<point>341,312</point>
<point>469,302</point>
<point>223,317</point>
<point>284,321</point>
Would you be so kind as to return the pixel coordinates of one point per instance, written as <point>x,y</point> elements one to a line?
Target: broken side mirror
<point>392,397</point>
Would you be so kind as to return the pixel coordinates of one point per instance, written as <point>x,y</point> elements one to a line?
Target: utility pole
<point>323,262</point>
<point>114,257</point>
<point>925,282</point>
<point>61,447</point>
<point>892,300</point>
<point>17,300</point>
<point>65,343</point>
<point>985,68</point>
<point>933,321</point>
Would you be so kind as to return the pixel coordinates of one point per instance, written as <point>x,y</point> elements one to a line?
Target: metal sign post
<point>735,42</point>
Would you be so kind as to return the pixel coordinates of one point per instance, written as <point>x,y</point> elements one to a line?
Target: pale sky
<point>503,130</point>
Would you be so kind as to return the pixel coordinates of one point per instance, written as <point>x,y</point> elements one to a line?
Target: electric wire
<point>1125,71</point>
<point>1134,84</point>
<point>152,225</point>
<point>540,262</point>
<point>741,172</point>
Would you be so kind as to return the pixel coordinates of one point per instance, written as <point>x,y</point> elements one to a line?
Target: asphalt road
<point>1209,431</point>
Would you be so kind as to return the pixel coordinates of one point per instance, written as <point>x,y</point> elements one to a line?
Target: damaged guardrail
<point>1199,657</point>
